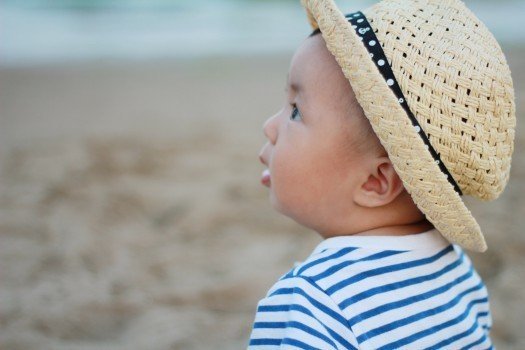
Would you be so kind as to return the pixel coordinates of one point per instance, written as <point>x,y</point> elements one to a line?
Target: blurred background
<point>131,213</point>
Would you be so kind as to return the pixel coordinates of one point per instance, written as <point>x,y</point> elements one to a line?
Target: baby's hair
<point>367,140</point>
<point>315,32</point>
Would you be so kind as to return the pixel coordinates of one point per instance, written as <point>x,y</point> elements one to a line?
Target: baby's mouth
<point>265,178</point>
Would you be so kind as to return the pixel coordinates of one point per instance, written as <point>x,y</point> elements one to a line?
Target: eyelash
<point>295,112</point>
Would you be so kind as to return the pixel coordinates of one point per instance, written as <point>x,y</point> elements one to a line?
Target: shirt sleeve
<point>296,313</point>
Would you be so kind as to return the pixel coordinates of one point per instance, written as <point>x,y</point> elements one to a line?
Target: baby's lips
<point>265,178</point>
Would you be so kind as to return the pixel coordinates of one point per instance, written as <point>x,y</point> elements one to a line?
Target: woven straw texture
<point>458,85</point>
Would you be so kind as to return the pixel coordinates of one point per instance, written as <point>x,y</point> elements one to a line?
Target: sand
<point>132,217</point>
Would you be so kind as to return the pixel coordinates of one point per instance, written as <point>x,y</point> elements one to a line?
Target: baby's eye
<point>295,113</point>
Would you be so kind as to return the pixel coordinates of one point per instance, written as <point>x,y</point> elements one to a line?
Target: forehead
<point>314,68</point>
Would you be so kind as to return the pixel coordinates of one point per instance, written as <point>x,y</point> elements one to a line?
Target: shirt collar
<point>430,239</point>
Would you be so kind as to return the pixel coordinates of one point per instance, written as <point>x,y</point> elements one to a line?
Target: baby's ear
<point>382,186</point>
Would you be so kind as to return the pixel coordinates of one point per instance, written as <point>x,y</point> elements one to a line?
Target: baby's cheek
<point>289,184</point>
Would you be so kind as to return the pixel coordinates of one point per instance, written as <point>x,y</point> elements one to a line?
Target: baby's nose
<point>269,129</point>
<point>264,153</point>
<point>261,157</point>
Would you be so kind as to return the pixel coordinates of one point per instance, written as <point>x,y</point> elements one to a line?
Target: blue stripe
<point>298,344</point>
<point>397,285</point>
<point>336,316</point>
<point>386,269</point>
<point>265,341</point>
<point>477,342</point>
<point>288,274</point>
<point>336,255</point>
<point>344,264</point>
<point>410,300</point>
<point>419,316</point>
<point>276,308</point>
<point>297,325</point>
<point>269,325</point>
<point>466,333</point>
<point>302,309</point>
<point>421,334</point>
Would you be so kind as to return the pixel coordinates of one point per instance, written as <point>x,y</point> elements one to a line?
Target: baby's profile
<point>328,169</point>
<point>391,115</point>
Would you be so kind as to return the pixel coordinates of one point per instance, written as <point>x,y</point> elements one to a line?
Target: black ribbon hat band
<point>367,35</point>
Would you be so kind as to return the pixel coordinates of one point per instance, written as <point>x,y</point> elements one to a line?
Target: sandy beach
<point>132,217</point>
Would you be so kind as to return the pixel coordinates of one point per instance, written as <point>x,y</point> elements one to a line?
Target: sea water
<point>56,31</point>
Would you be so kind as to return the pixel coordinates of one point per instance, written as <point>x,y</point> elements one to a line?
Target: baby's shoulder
<point>333,264</point>
<point>335,268</point>
<point>344,261</point>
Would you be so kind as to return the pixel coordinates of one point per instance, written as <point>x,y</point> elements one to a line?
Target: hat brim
<point>428,186</point>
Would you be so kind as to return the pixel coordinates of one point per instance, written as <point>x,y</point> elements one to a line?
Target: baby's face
<point>313,155</point>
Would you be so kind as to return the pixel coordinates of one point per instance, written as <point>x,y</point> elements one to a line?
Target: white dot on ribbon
<point>417,128</point>
<point>360,20</point>
<point>381,62</point>
<point>390,82</point>
<point>372,42</point>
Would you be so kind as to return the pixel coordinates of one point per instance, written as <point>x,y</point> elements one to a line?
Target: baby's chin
<point>278,205</point>
<point>275,202</point>
<point>288,211</point>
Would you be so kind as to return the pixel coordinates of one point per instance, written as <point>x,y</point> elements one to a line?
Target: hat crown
<point>458,85</point>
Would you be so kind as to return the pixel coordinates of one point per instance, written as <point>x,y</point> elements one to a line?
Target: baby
<point>369,152</point>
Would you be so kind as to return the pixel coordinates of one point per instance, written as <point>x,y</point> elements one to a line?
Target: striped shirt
<point>377,292</point>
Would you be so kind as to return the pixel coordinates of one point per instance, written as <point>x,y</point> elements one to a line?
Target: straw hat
<point>447,115</point>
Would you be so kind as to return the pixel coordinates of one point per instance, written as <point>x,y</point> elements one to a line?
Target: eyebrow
<point>295,87</point>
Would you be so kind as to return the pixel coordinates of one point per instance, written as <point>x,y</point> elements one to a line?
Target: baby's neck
<point>399,230</point>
